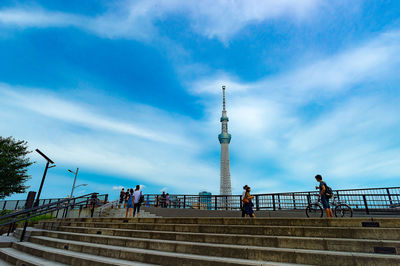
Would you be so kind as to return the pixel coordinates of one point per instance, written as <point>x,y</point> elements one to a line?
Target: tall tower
<point>224,139</point>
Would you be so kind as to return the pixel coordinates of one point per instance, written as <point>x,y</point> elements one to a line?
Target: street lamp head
<point>81,185</point>
<point>70,171</point>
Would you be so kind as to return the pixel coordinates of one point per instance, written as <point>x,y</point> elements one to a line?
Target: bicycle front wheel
<point>343,210</point>
<point>314,211</point>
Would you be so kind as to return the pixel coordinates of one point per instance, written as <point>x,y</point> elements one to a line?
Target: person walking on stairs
<point>137,200</point>
<point>248,204</point>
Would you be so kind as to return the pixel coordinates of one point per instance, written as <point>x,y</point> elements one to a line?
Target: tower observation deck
<point>224,140</point>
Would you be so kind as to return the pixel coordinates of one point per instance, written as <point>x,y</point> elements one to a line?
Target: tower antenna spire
<point>223,98</point>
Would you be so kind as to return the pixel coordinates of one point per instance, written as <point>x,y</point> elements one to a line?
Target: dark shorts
<point>136,208</point>
<point>130,205</point>
<point>121,201</point>
<point>325,202</point>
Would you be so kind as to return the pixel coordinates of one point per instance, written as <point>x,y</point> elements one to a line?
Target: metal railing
<point>86,201</point>
<point>370,200</point>
<point>20,204</point>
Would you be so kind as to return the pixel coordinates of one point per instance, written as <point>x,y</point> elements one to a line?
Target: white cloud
<point>220,19</point>
<point>117,188</point>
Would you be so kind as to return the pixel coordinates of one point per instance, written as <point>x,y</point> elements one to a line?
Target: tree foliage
<point>14,165</point>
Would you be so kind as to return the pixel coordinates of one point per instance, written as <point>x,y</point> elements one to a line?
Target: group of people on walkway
<point>162,201</point>
<point>132,200</point>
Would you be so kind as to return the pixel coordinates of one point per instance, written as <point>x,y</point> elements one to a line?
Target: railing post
<point>365,204</point>
<point>273,202</point>
<point>199,203</point>
<point>216,203</point>
<point>226,202</point>
<point>105,198</point>
<point>184,201</point>
<point>309,198</point>
<point>257,203</point>
<point>390,198</point>
<point>294,201</point>
<point>16,205</point>
<point>4,205</point>
<point>279,201</point>
<point>240,203</point>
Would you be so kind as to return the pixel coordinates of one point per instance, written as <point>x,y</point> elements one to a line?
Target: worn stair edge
<point>282,255</point>
<point>315,243</point>
<point>17,257</point>
<point>134,255</point>
<point>327,232</point>
<point>353,222</point>
<point>71,257</point>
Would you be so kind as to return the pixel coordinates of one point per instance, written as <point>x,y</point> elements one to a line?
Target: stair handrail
<point>66,203</point>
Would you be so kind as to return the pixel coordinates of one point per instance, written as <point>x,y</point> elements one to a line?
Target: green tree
<point>14,165</point>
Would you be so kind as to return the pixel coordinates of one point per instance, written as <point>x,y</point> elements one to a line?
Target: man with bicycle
<point>322,193</point>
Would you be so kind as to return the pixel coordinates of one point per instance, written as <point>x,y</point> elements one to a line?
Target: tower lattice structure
<point>224,140</point>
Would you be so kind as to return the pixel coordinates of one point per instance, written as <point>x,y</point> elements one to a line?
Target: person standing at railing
<point>121,197</point>
<point>248,204</point>
<point>167,203</point>
<point>129,205</point>
<point>243,196</point>
<point>323,195</point>
<point>163,200</point>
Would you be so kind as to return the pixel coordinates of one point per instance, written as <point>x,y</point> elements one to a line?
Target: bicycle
<point>340,209</point>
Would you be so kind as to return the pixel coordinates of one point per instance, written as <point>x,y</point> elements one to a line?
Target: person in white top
<point>136,200</point>
<point>243,196</point>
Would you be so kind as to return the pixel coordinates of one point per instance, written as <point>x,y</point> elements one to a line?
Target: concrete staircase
<point>209,241</point>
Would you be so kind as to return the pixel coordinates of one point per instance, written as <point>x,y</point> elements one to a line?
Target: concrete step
<point>305,222</point>
<point>120,213</point>
<point>67,256</point>
<point>4,263</point>
<point>16,257</point>
<point>124,248</point>
<point>142,255</point>
<point>299,231</point>
<point>315,243</point>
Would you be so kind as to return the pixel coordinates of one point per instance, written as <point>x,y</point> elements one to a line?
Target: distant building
<point>205,200</point>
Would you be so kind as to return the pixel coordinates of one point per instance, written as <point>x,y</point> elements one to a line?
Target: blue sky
<point>130,92</point>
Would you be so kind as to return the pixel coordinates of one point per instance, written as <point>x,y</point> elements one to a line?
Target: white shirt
<point>244,194</point>
<point>136,194</point>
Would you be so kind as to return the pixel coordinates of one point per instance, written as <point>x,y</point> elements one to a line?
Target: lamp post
<point>73,186</point>
<point>49,161</point>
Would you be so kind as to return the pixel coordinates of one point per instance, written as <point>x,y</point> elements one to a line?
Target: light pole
<point>49,161</point>
<point>73,186</point>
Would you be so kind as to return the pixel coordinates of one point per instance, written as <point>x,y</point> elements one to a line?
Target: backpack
<point>141,199</point>
<point>328,191</point>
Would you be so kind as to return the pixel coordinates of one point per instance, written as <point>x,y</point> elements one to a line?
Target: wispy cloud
<point>43,104</point>
<point>220,19</point>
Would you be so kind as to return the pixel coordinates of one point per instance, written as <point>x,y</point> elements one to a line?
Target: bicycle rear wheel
<point>314,211</point>
<point>343,210</point>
